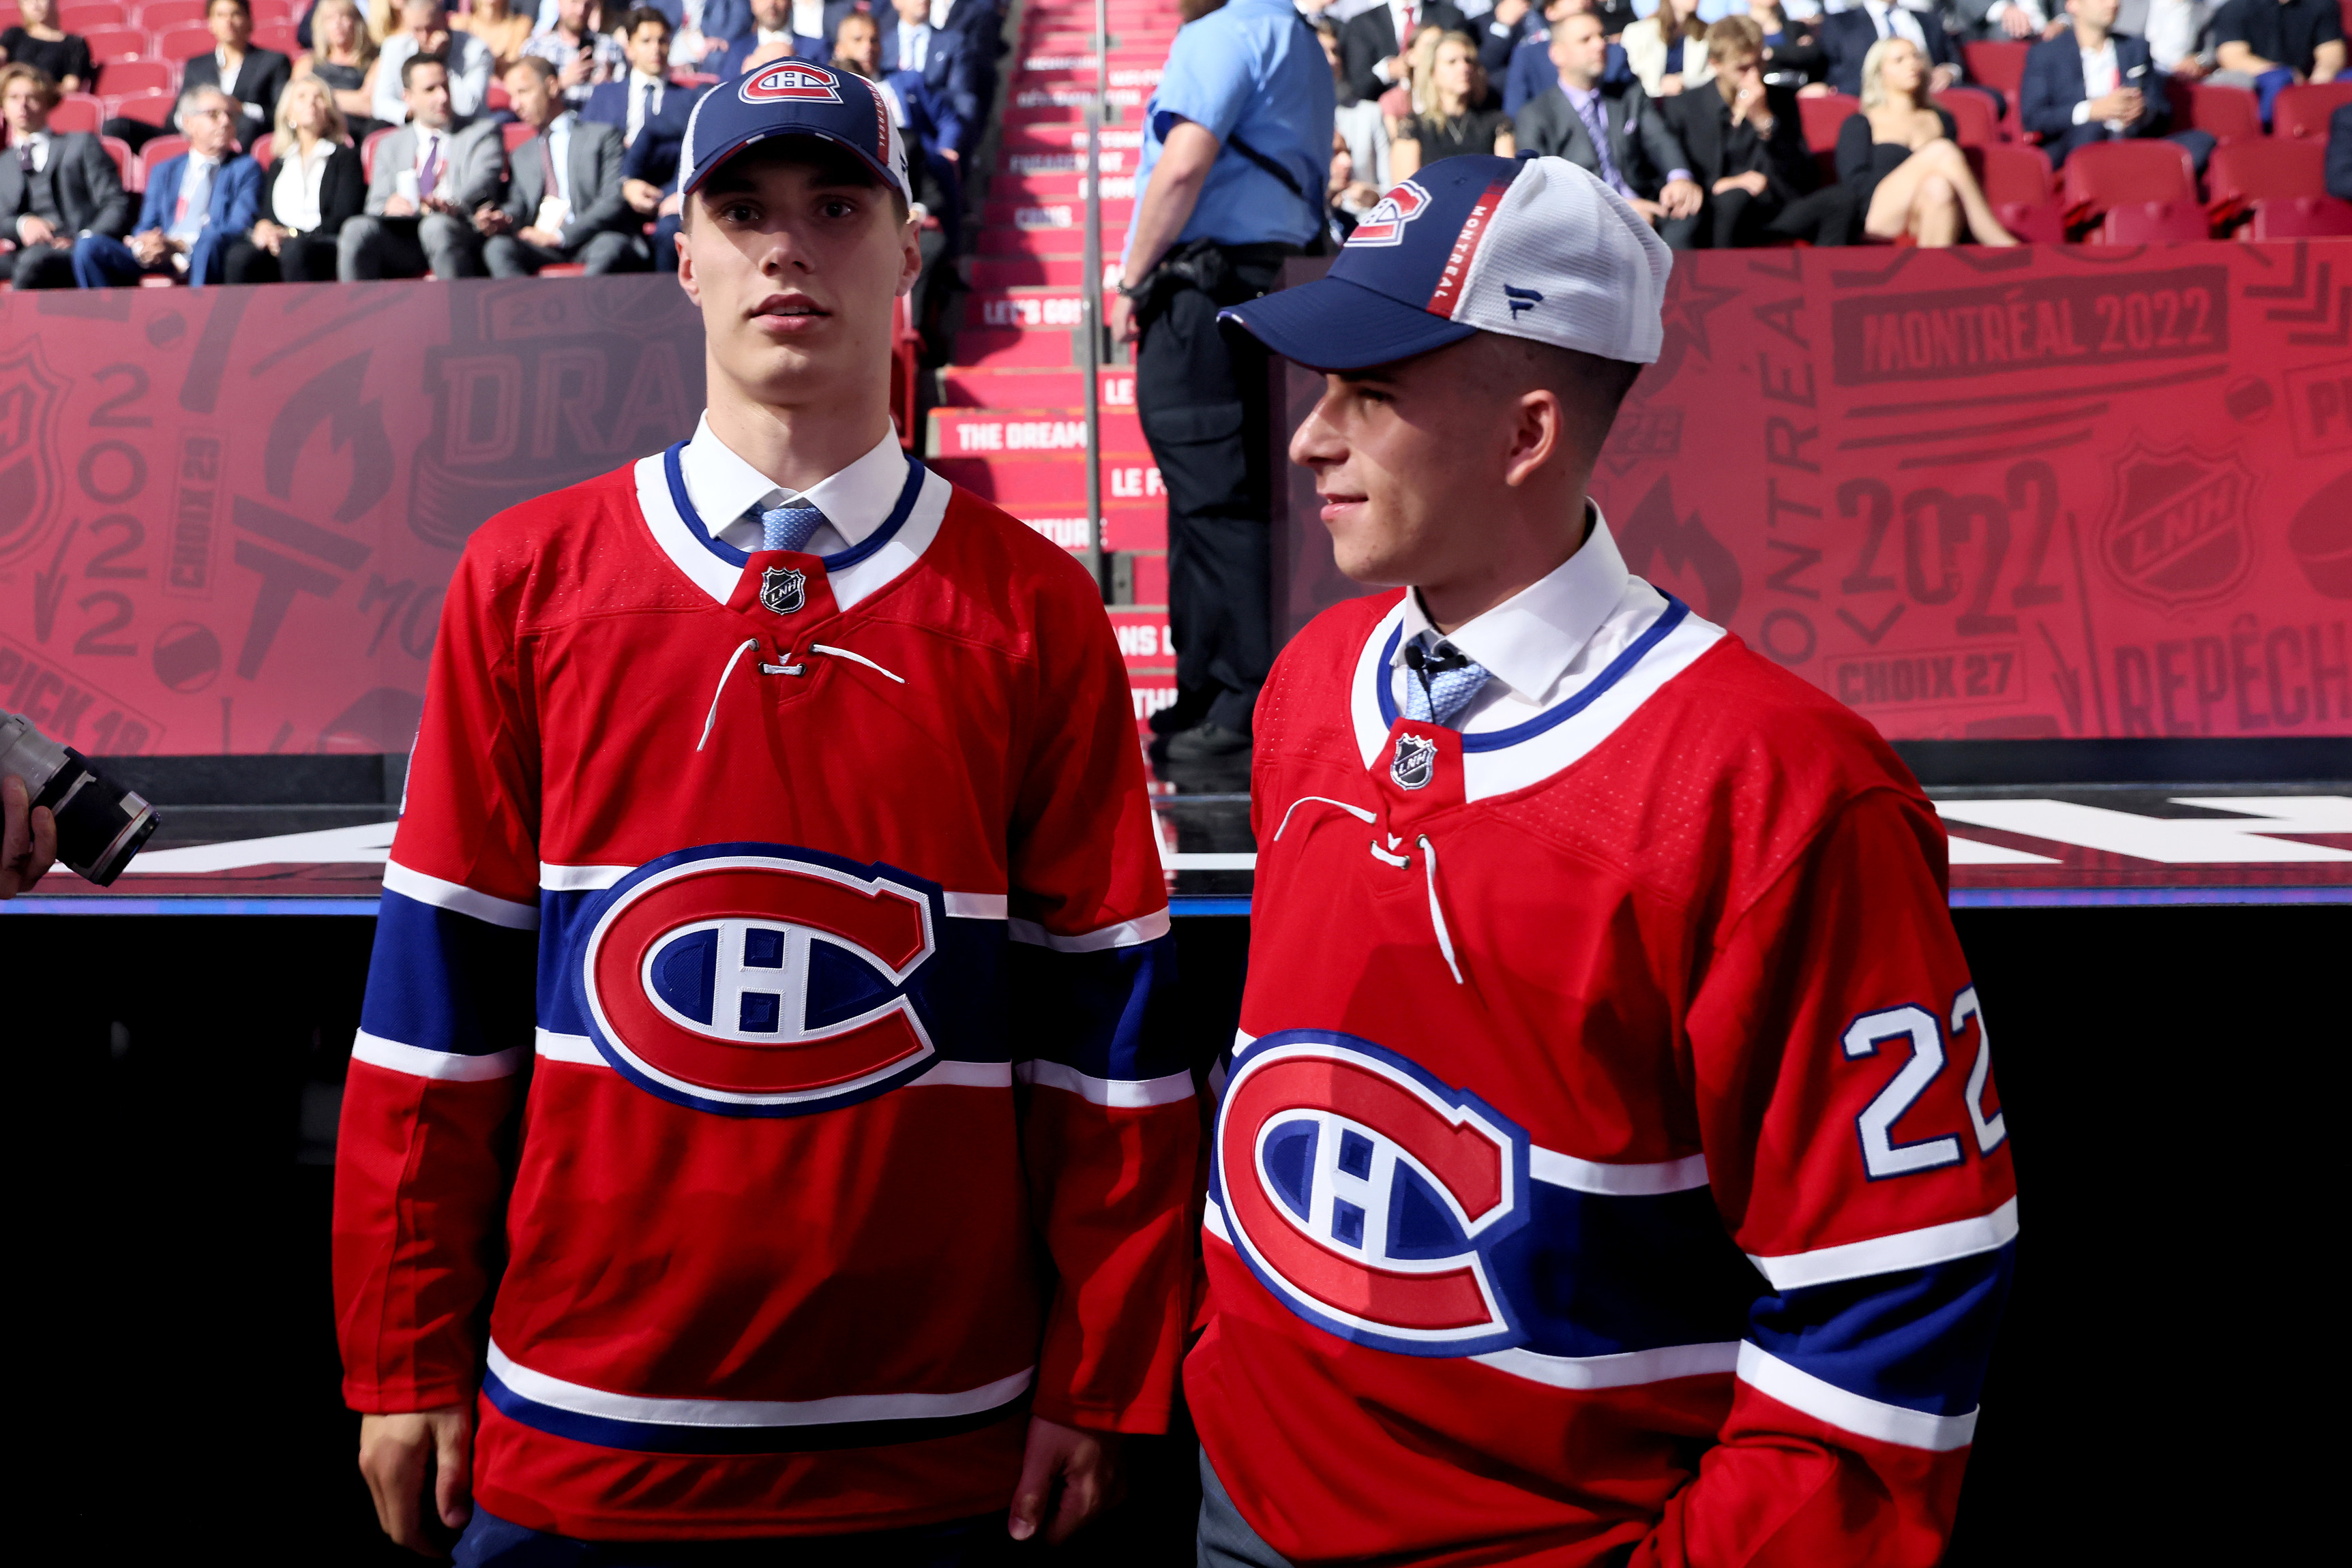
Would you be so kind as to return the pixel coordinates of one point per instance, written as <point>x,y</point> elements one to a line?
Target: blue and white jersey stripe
<point>445,997</point>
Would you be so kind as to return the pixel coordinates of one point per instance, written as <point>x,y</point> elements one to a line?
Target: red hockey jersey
<point>771,995</point>
<point>1610,1162</point>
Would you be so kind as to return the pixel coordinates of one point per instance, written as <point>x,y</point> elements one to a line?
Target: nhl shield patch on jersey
<point>761,979</point>
<point>783,589</point>
<point>1368,1196</point>
<point>1416,762</point>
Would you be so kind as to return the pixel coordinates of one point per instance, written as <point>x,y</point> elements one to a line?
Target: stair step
<point>1139,531</point>
<point>971,386</point>
<point>1006,240</point>
<point>1033,217</point>
<point>1144,638</point>
<point>1059,481</point>
<point>1069,162</point>
<point>1015,350</point>
<point>1029,188</point>
<point>1024,311</point>
<point>986,433</point>
<point>1066,272</point>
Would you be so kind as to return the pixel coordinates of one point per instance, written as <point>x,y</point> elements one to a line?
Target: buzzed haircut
<point>1589,386</point>
<point>539,66</point>
<point>422,57</point>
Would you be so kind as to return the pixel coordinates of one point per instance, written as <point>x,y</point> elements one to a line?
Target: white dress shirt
<point>39,144</point>
<point>558,155</point>
<point>808,18</point>
<point>1895,21</point>
<point>1546,642</point>
<point>1397,9</point>
<point>2101,76</point>
<point>914,47</point>
<point>638,106</point>
<point>729,493</point>
<point>300,177</point>
<point>940,9</point>
<point>2025,8</point>
<point>2172,29</point>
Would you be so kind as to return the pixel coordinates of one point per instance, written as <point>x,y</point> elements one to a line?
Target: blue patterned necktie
<point>789,528</point>
<point>1439,683</point>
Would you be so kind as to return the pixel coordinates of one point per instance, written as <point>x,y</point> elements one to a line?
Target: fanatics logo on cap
<point>790,81</point>
<point>783,588</point>
<point>1384,225</point>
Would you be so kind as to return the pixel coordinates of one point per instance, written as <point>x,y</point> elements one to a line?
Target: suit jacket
<point>259,81</point>
<point>1846,38</point>
<point>2053,86</point>
<point>236,203</point>
<point>728,20</point>
<point>727,66</point>
<point>1701,120</point>
<point>609,105</point>
<point>343,191</point>
<point>952,69</point>
<point>1640,143</point>
<point>1369,36</point>
<point>476,166</point>
<point>594,177</point>
<point>1532,71</point>
<point>88,188</point>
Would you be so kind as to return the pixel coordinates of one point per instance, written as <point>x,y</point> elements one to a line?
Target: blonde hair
<point>363,39</point>
<point>1874,83</point>
<point>1734,35</point>
<point>337,128</point>
<point>1425,104</point>
<point>44,88</point>
<point>1420,56</point>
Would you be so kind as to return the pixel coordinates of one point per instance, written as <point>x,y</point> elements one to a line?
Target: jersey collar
<point>856,501</point>
<point>1528,641</point>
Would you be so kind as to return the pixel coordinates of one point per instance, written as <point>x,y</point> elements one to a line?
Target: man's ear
<point>1539,432</point>
<point>686,278</point>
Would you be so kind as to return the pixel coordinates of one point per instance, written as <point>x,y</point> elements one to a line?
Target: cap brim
<point>711,164</point>
<point>1334,325</point>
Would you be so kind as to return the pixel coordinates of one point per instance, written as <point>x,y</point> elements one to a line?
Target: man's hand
<point>1081,1467</point>
<point>670,205</point>
<point>33,229</point>
<point>1670,86</point>
<point>641,194</point>
<point>1650,210</point>
<point>530,233</point>
<point>393,1453</point>
<point>150,247</point>
<point>491,220</point>
<point>28,838</point>
<point>1509,12</point>
<point>1681,198</point>
<point>443,205</point>
<point>1123,328</point>
<point>399,207</point>
<point>2014,22</point>
<point>2125,104</point>
<point>1942,78</point>
<point>1752,182</point>
<point>575,70</point>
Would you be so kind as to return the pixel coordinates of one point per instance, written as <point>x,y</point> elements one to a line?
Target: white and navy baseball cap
<point>792,98</point>
<point>1531,247</point>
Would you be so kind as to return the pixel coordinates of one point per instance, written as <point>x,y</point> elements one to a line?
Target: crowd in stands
<point>1746,122</point>
<point>212,142</point>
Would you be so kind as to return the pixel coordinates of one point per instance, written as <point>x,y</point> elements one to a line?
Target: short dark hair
<point>421,57</point>
<point>639,17</point>
<point>243,5</point>
<point>539,66</point>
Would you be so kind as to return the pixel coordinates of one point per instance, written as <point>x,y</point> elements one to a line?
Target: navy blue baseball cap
<point>792,97</point>
<point>1533,247</point>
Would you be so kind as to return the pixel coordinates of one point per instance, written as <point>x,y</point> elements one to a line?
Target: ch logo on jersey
<point>761,979</point>
<point>1384,225</point>
<point>790,81</point>
<point>783,589</point>
<point>1416,761</point>
<point>1366,1195</point>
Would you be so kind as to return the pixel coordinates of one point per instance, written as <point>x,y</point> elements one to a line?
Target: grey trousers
<point>1226,1541</point>
<point>407,247</point>
<point>599,252</point>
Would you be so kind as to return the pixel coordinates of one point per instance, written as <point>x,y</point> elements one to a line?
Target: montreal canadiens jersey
<point>1609,1167</point>
<point>770,997</point>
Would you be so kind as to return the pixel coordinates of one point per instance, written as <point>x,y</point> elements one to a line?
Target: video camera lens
<point>100,825</point>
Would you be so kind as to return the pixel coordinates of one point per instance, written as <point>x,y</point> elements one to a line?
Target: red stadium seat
<point>2303,217</point>
<point>78,111</point>
<point>1973,117</point>
<point>183,43</point>
<point>263,146</point>
<point>2107,174</point>
<point>1823,116</point>
<point>126,164</point>
<point>367,152</point>
<point>2150,223</point>
<point>157,15</point>
<point>2305,110</point>
<point>2011,173</point>
<point>159,151</point>
<point>268,11</point>
<point>278,36</point>
<point>146,107</point>
<point>2222,112</point>
<point>2001,67</point>
<point>2035,222</point>
<point>82,15</point>
<point>2265,167</point>
<point>564,269</point>
<point>516,133</point>
<point>108,44</point>
<point>117,79</point>
<point>497,99</point>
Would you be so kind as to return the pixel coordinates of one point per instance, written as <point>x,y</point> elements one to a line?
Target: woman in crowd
<point>502,29</point>
<point>313,185</point>
<point>1667,48</point>
<point>38,41</point>
<point>344,57</point>
<point>1458,118</point>
<point>1901,158</point>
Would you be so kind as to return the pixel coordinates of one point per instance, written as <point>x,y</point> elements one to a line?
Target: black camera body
<point>100,825</point>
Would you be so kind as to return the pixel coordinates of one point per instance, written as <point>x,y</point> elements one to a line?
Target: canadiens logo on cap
<point>1384,225</point>
<point>789,82</point>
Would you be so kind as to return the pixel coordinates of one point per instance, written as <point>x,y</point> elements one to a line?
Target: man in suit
<point>2007,21</point>
<point>1847,35</point>
<point>1372,42</point>
<point>1746,142</point>
<point>563,196</point>
<point>196,204</point>
<point>2095,84</point>
<point>949,61</point>
<point>53,187</point>
<point>1531,70</point>
<point>253,78</point>
<point>644,103</point>
<point>424,30</point>
<point>1618,133</point>
<point>770,38</point>
<point>430,179</point>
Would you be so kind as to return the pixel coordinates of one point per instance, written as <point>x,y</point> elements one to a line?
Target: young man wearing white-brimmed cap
<point>1609,1167</point>
<point>777,818</point>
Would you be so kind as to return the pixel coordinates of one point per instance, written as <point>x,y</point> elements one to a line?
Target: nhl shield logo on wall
<point>783,589</point>
<point>2181,535</point>
<point>1416,761</point>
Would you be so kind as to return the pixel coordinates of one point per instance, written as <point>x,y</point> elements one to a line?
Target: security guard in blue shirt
<point>1236,155</point>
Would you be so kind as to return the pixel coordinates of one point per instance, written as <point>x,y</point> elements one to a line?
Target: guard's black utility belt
<point>1227,274</point>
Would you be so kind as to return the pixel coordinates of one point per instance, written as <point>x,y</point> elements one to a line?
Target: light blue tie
<point>1439,681</point>
<point>789,528</point>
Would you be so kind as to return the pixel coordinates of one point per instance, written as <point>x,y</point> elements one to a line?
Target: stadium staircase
<point>1009,418</point>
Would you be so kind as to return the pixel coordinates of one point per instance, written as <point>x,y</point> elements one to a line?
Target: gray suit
<point>603,229</point>
<point>88,196</point>
<point>1642,145</point>
<point>473,171</point>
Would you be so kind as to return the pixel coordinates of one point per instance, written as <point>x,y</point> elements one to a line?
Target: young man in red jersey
<point>776,820</point>
<point>1607,1169</point>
